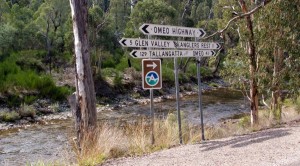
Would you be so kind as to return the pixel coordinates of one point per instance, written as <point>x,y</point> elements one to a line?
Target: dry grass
<point>134,138</point>
<point>243,126</point>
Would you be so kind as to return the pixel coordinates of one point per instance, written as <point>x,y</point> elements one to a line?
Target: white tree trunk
<point>85,109</point>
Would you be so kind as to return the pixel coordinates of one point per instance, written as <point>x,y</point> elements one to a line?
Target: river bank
<point>47,111</point>
<point>26,144</point>
<point>34,143</point>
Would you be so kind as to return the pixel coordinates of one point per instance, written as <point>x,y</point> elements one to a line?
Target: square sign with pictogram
<point>151,74</point>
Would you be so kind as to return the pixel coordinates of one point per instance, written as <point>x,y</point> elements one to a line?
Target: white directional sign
<point>171,53</point>
<point>131,42</point>
<point>166,30</point>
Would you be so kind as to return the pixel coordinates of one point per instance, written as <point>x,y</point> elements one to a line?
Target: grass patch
<point>297,104</point>
<point>133,139</point>
<point>27,111</point>
<point>9,116</point>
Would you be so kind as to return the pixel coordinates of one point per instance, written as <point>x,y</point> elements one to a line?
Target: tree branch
<point>100,26</point>
<point>239,17</point>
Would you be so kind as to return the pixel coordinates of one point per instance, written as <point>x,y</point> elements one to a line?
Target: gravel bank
<point>280,146</point>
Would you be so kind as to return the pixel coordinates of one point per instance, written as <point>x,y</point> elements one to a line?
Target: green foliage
<point>149,11</point>
<point>245,121</point>
<point>30,99</point>
<point>118,80</point>
<point>109,63</point>
<point>168,74</point>
<point>7,36</point>
<point>23,83</point>
<point>135,63</point>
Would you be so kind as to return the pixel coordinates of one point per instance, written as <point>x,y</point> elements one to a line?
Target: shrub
<point>245,121</point>
<point>30,99</point>
<point>297,103</point>
<point>135,63</point>
<point>9,116</point>
<point>109,63</point>
<point>27,111</point>
<point>168,75</point>
<point>55,107</point>
<point>118,80</point>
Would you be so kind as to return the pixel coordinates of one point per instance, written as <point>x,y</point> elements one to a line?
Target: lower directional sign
<point>151,74</point>
<point>171,53</point>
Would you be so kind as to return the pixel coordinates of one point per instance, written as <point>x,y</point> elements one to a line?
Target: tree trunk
<point>252,67</point>
<point>275,113</point>
<point>85,109</point>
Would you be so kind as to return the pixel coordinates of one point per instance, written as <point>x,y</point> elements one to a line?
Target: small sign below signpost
<point>151,74</point>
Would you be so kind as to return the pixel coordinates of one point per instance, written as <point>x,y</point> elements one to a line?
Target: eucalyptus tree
<point>150,11</point>
<point>50,21</point>
<point>278,50</point>
<point>248,78</point>
<point>85,103</point>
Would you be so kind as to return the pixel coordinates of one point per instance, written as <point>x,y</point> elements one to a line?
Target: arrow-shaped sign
<point>167,30</point>
<point>153,65</point>
<point>171,53</point>
<point>132,42</point>
<point>123,42</point>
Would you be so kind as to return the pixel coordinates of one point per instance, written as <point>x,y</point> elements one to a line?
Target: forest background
<point>36,44</point>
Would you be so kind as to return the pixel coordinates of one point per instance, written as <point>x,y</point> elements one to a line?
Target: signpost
<point>151,68</point>
<point>166,30</point>
<point>132,42</point>
<point>171,53</point>
<point>151,74</point>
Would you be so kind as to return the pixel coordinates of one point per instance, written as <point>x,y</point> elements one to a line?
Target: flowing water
<point>51,142</point>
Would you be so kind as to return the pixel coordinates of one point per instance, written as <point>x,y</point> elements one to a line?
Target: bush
<point>30,99</point>
<point>135,63</point>
<point>245,121</point>
<point>27,111</point>
<point>298,104</point>
<point>168,75</point>
<point>109,63</point>
<point>9,116</point>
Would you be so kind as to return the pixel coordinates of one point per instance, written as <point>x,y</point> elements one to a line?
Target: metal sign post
<point>177,99</point>
<point>152,117</point>
<point>200,97</point>
<point>152,76</point>
<point>152,79</point>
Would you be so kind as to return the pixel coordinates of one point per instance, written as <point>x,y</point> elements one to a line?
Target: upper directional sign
<point>130,42</point>
<point>166,30</point>
<point>171,53</point>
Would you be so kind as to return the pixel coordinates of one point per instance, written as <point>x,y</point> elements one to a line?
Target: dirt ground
<point>279,146</point>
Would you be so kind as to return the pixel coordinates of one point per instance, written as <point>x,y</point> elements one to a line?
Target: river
<point>51,142</point>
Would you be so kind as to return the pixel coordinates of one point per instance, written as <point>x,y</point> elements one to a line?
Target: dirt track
<point>271,147</point>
